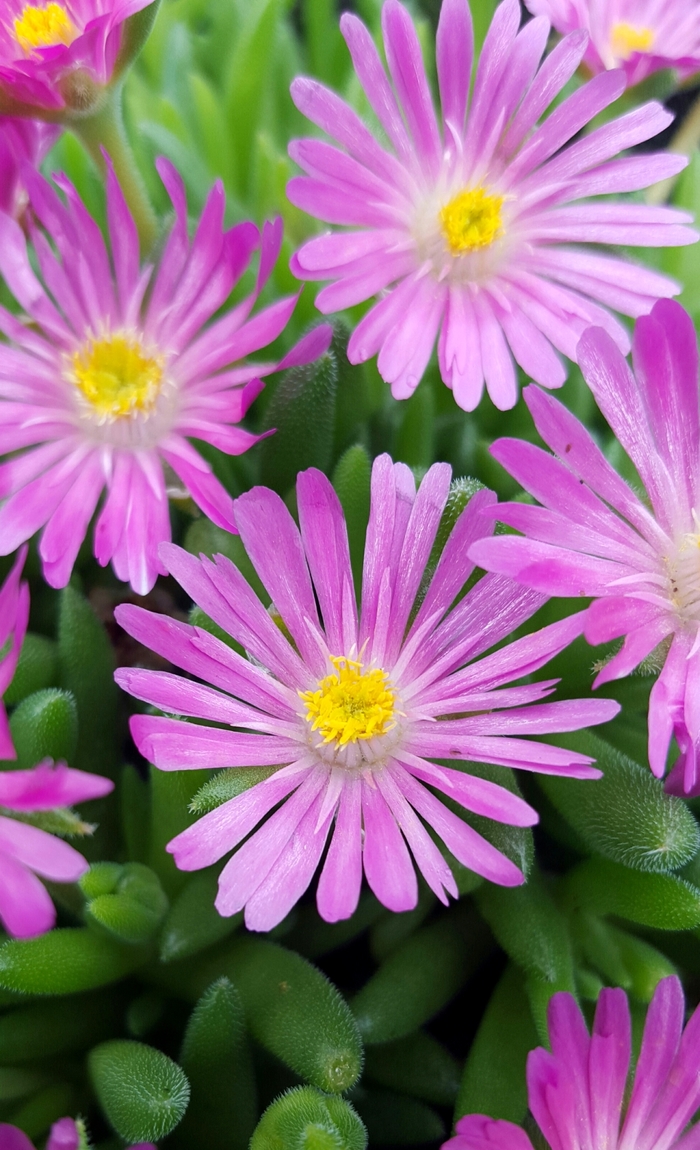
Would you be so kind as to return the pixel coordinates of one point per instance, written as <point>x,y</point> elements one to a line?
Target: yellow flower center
<point>44,27</point>
<point>626,39</point>
<point>471,220</point>
<point>116,377</point>
<point>350,704</point>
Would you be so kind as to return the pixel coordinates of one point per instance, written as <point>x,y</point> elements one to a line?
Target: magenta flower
<point>21,142</point>
<point>640,36</point>
<point>14,616</point>
<point>577,1094</point>
<point>594,536</point>
<point>27,853</point>
<point>64,1135</point>
<point>351,711</point>
<point>100,389</point>
<point>52,54</point>
<point>465,228</point>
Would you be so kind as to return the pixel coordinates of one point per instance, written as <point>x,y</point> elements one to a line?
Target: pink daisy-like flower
<point>465,228</point>
<point>27,853</point>
<point>14,616</point>
<point>21,142</point>
<point>100,389</point>
<point>350,711</point>
<point>640,36</point>
<point>578,1093</point>
<point>53,54</point>
<point>594,536</point>
<point>64,1135</point>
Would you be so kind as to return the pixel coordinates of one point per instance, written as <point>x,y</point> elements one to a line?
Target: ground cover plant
<point>349,629</point>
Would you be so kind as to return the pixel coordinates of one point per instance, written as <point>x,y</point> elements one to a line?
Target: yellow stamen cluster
<point>44,27</point>
<point>350,704</point>
<point>471,220</point>
<point>116,377</point>
<point>626,39</point>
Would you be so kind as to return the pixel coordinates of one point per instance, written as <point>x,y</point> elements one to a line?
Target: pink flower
<point>21,142</point>
<point>350,711</point>
<point>99,389</point>
<point>14,615</point>
<point>27,851</point>
<point>639,36</point>
<point>65,1135</point>
<point>577,1093</point>
<point>594,536</point>
<point>52,54</point>
<point>465,229</point>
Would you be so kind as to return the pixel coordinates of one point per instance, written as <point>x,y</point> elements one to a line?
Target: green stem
<point>105,129</point>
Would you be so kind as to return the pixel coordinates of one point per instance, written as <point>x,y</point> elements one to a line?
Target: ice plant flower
<point>14,616</point>
<point>578,1094</point>
<point>66,1134</point>
<point>21,142</point>
<point>99,389</point>
<point>594,536</point>
<point>639,36</point>
<point>28,853</point>
<point>347,712</point>
<point>469,229</point>
<point>54,54</point>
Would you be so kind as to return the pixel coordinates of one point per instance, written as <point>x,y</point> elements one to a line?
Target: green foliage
<point>297,1014</point>
<point>217,1062</point>
<point>45,725</point>
<point>58,1026</point>
<point>351,480</point>
<point>143,1093</point>
<point>86,669</point>
<point>302,412</point>
<point>65,961</point>
<point>133,906</point>
<point>420,977</point>
<point>395,1120</point>
<point>625,816</point>
<point>305,1119</point>
<point>415,1065</point>
<point>193,923</point>
<point>657,900</point>
<point>494,1074</point>
<point>37,668</point>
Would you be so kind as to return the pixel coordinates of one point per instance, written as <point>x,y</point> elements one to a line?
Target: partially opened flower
<point>53,54</point>
<point>469,228</point>
<point>640,36</point>
<point>28,853</point>
<point>14,616</point>
<point>99,389</point>
<point>347,710</point>
<point>22,142</point>
<point>579,1094</point>
<point>594,536</point>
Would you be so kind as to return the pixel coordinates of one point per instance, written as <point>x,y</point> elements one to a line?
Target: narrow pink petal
<point>405,62</point>
<point>172,745</point>
<point>45,854</point>
<point>325,540</point>
<point>454,48</point>
<point>662,1034</point>
<point>341,878</point>
<point>666,704</point>
<point>290,876</point>
<point>219,831</point>
<point>47,786</point>
<point>387,863</point>
<point>25,906</point>
<point>428,859</point>
<point>477,1132</point>
<point>608,1065</point>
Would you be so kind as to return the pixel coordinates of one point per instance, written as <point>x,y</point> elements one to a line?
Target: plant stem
<point>105,129</point>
